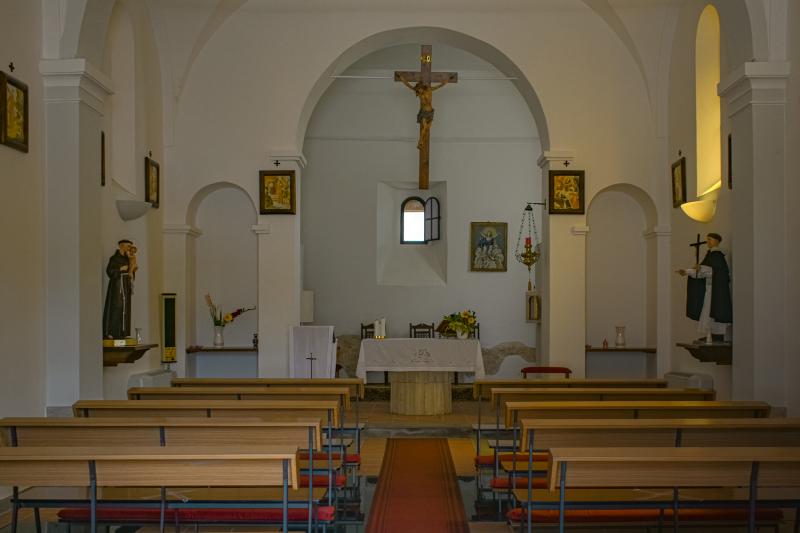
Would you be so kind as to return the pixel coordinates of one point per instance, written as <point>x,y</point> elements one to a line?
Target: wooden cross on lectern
<point>423,90</point>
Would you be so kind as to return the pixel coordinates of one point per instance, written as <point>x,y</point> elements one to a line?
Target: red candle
<point>527,241</point>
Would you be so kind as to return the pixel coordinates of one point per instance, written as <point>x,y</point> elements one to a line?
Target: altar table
<point>420,370</point>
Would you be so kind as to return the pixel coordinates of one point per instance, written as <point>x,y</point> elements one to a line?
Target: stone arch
<point>399,36</point>
<point>621,218</point>
<point>205,192</point>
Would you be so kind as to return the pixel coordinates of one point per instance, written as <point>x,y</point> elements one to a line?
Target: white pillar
<point>755,99</point>
<point>563,285</point>
<point>279,277</point>
<point>74,92</point>
<point>179,276</point>
<point>659,330</point>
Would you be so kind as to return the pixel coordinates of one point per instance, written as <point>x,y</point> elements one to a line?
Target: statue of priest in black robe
<point>121,270</point>
<point>708,291</point>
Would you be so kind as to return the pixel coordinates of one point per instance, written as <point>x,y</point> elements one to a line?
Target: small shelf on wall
<point>114,355</point>
<point>720,353</point>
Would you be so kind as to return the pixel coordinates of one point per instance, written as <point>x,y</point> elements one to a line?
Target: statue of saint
<point>708,293</point>
<point>121,271</point>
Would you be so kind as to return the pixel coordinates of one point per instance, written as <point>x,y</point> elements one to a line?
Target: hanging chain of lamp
<point>531,251</point>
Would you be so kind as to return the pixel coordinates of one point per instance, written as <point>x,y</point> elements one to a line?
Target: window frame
<point>402,220</point>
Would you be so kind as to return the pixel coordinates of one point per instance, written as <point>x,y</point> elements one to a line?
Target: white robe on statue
<point>706,323</point>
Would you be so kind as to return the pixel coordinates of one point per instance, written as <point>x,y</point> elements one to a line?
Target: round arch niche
<point>620,281</point>
<point>363,162</point>
<point>225,262</point>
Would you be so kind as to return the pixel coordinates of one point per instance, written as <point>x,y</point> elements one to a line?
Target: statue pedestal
<point>720,353</point>
<point>114,355</point>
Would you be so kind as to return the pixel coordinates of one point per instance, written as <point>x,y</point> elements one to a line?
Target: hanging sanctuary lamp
<point>530,252</point>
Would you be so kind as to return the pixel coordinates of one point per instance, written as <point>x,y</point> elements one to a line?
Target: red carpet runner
<point>417,490</point>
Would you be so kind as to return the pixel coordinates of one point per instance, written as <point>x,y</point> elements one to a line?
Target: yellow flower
<point>228,318</point>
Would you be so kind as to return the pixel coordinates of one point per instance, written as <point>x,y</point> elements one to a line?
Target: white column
<point>73,96</point>
<point>563,281</point>
<point>179,276</point>
<point>755,99</point>
<point>659,325</point>
<point>279,276</point>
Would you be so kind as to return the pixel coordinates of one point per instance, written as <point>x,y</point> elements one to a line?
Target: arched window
<point>707,102</point>
<point>412,221</point>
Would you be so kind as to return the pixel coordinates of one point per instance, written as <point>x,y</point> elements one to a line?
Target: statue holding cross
<point>708,293</point>
<point>423,89</point>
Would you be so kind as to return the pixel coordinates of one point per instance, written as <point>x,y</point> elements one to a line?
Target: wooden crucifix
<point>423,88</point>
<point>697,244</point>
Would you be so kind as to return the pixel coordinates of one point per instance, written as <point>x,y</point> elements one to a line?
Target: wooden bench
<point>274,409</point>
<point>538,436</point>
<point>269,466</point>
<point>481,390</point>
<point>355,386</point>
<point>482,387</point>
<point>602,469</point>
<point>128,432</point>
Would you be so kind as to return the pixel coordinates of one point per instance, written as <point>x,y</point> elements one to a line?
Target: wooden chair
<point>546,370</point>
<point>421,330</point>
<point>367,331</point>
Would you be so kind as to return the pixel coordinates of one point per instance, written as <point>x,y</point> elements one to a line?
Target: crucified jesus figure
<point>423,91</point>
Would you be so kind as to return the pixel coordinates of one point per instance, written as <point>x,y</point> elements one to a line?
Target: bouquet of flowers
<point>463,322</point>
<point>217,315</point>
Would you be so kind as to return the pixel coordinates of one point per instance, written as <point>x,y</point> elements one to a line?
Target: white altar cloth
<point>415,355</point>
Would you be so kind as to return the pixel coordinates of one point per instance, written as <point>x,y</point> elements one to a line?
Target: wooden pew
<point>482,387</point>
<point>641,409</point>
<point>601,469</point>
<point>540,435</point>
<point>274,409</point>
<point>630,410</point>
<point>183,432</point>
<point>481,390</point>
<point>355,385</point>
<point>268,466</point>
<point>23,432</point>
<point>340,394</point>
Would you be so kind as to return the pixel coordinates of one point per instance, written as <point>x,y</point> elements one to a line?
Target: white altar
<point>420,370</point>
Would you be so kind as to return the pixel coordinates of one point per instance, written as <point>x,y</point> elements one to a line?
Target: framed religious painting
<point>13,113</point>
<point>488,246</point>
<point>679,182</point>
<point>567,192</point>
<point>276,192</point>
<point>152,181</point>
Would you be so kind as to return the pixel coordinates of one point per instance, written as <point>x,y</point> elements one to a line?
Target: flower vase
<point>219,340</point>
<point>619,342</point>
<point>461,334</point>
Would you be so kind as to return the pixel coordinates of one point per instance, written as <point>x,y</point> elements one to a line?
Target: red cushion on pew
<point>352,458</point>
<point>488,460</point>
<point>325,514</point>
<point>501,483</point>
<point>116,514</point>
<point>121,514</point>
<point>644,515</point>
<point>321,480</point>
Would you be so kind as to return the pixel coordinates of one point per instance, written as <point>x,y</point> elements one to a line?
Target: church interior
<point>449,265</point>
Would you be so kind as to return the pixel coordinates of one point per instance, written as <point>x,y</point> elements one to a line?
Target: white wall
<point>364,132</point>
<point>21,230</point>
<point>226,265</point>
<point>792,193</point>
<point>134,114</point>
<point>616,270</point>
